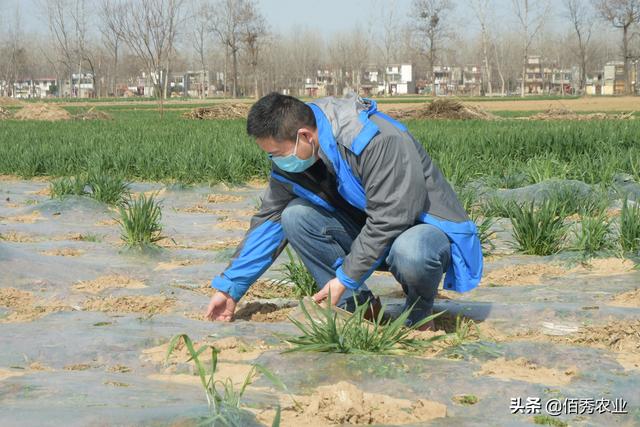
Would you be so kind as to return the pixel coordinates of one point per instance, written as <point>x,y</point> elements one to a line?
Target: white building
<point>400,79</point>
<point>35,88</point>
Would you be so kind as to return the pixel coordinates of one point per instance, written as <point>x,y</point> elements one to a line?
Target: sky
<point>326,16</point>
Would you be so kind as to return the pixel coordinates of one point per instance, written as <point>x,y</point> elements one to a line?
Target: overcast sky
<point>325,16</point>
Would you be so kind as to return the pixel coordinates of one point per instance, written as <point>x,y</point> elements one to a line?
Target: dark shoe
<point>375,306</point>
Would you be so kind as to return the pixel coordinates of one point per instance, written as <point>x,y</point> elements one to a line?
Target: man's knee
<point>419,253</point>
<point>296,215</point>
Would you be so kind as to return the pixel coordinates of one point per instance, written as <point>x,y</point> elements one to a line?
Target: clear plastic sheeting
<point>85,322</point>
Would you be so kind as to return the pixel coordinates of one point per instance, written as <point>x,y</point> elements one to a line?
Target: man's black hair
<point>279,116</point>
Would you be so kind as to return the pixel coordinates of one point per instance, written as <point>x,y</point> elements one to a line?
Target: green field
<point>142,146</point>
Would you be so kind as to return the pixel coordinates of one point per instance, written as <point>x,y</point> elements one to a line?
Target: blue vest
<point>465,270</point>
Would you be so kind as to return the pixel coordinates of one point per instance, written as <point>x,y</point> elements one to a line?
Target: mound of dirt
<point>230,348</point>
<point>92,114</point>
<point>523,274</point>
<point>627,299</point>
<point>23,305</point>
<point>344,403</point>
<point>266,289</point>
<point>524,370</point>
<point>130,304</point>
<point>113,281</point>
<point>619,335</point>
<point>566,114</point>
<point>5,114</point>
<point>446,109</point>
<point>43,112</point>
<point>226,111</point>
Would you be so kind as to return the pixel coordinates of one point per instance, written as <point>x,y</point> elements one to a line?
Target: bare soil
<point>524,370</point>
<point>42,112</point>
<point>113,281</point>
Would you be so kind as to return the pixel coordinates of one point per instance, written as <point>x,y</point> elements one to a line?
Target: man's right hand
<point>221,307</point>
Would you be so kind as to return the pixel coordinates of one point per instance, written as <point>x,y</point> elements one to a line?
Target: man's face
<point>286,148</point>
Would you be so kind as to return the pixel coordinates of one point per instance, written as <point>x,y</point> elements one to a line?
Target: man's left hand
<point>334,287</point>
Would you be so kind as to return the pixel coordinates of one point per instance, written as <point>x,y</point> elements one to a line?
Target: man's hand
<point>221,307</point>
<point>335,287</point>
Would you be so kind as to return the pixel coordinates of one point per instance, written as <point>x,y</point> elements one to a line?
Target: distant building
<point>613,78</point>
<point>472,80</point>
<point>322,84</point>
<point>372,82</point>
<point>533,81</point>
<point>43,87</point>
<point>400,79</point>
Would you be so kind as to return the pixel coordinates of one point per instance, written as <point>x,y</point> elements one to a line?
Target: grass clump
<point>108,188</point>
<point>296,273</point>
<point>593,235</point>
<point>326,331</point>
<point>630,227</point>
<point>223,398</point>
<point>68,186</point>
<point>140,221</point>
<point>539,230</point>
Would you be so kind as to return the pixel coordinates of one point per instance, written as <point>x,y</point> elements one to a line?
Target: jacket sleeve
<point>261,244</point>
<point>394,183</point>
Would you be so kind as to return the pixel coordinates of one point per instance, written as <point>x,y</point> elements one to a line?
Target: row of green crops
<point>140,145</point>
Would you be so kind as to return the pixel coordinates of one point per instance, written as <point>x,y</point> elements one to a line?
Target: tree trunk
<point>625,52</point>
<point>234,54</point>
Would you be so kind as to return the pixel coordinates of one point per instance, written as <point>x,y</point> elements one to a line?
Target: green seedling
<point>593,234</point>
<point>68,186</point>
<point>630,227</point>
<point>140,221</point>
<point>108,188</point>
<point>539,230</point>
<point>466,399</point>
<point>546,420</point>
<point>223,397</point>
<point>323,329</point>
<point>295,272</point>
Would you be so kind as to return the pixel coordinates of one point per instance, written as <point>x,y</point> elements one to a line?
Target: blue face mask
<point>293,163</point>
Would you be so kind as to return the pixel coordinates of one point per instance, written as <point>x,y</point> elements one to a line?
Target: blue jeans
<point>417,259</point>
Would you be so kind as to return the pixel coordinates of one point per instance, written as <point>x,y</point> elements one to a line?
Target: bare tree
<point>430,17</point>
<point>230,19</point>
<point>13,53</point>
<point>200,38</point>
<point>531,15</point>
<point>253,32</point>
<point>622,14</point>
<point>110,15</point>
<point>62,34</point>
<point>580,19</point>
<point>480,9</point>
<point>150,29</point>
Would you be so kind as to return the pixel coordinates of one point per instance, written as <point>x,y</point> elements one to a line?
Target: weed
<point>296,273</point>
<point>68,186</point>
<point>541,230</point>
<point>223,398</point>
<point>630,227</point>
<point>593,235</point>
<point>329,332</point>
<point>140,221</point>
<point>108,188</point>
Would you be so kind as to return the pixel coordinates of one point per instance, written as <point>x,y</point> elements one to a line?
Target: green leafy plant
<point>140,221</point>
<point>630,227</point>
<point>327,331</point>
<point>295,272</point>
<point>539,230</point>
<point>68,186</point>
<point>108,188</point>
<point>223,398</point>
<point>542,168</point>
<point>593,234</point>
